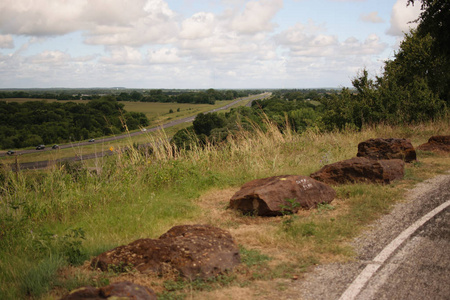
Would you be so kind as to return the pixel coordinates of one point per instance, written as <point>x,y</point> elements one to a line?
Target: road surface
<point>405,255</point>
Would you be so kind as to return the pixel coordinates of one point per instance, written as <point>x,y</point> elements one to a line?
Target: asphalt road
<point>419,269</point>
<point>404,255</point>
<point>45,164</point>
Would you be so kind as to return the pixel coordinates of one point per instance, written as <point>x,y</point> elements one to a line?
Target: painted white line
<point>358,284</point>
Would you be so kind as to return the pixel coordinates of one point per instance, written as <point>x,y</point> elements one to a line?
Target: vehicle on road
<point>40,147</point>
<point>10,152</point>
<point>55,147</point>
<point>91,140</point>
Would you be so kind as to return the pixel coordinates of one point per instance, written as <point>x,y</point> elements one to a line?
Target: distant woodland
<point>37,122</point>
<point>209,96</point>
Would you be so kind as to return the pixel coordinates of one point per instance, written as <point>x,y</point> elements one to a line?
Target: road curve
<point>45,164</point>
<point>404,255</point>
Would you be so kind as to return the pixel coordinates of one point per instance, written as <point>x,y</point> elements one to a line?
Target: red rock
<point>268,196</point>
<point>387,149</point>
<point>361,169</point>
<point>436,143</point>
<point>195,251</point>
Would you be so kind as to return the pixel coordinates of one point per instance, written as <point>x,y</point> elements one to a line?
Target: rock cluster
<point>378,161</point>
<point>195,251</point>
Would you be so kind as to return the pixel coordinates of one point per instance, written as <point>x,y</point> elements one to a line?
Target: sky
<point>197,44</point>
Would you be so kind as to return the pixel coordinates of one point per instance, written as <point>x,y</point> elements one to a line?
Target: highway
<point>45,164</point>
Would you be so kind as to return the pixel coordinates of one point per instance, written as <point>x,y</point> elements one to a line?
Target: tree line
<point>209,96</point>
<point>38,122</point>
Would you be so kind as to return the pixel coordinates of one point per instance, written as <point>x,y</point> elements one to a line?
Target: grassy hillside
<point>52,222</point>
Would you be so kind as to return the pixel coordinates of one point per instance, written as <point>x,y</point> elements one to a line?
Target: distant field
<point>156,112</point>
<point>22,100</point>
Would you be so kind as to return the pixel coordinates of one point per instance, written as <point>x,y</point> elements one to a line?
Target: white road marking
<point>358,284</point>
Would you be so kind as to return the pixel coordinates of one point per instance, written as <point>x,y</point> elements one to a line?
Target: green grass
<point>136,195</point>
<point>158,113</point>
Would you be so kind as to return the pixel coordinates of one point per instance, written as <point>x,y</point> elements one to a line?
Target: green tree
<point>204,123</point>
<point>434,22</point>
<point>413,84</point>
<point>185,138</point>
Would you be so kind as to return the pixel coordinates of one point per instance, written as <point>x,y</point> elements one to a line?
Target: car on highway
<point>55,147</point>
<point>10,152</point>
<point>91,140</point>
<point>40,147</point>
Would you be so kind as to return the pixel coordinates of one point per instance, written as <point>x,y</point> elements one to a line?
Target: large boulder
<point>387,149</point>
<point>119,290</point>
<point>277,195</point>
<point>195,251</point>
<point>436,143</point>
<point>361,169</point>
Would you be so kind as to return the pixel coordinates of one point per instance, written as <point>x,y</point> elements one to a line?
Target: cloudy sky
<point>197,43</point>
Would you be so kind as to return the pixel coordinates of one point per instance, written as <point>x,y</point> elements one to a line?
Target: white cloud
<point>256,16</point>
<point>372,17</point>
<point>121,55</point>
<point>164,56</point>
<point>152,22</point>
<point>45,17</point>
<point>306,40</point>
<point>310,50</point>
<point>200,25</point>
<point>104,22</point>
<point>401,16</point>
<point>371,46</point>
<point>6,41</point>
<point>49,58</point>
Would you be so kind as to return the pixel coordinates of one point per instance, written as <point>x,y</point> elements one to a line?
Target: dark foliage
<point>36,122</point>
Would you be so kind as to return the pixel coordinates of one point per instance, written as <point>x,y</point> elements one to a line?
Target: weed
<point>42,277</point>
<point>121,268</point>
<point>324,207</point>
<point>307,229</point>
<point>252,257</point>
<point>177,289</point>
<point>288,213</point>
<point>68,245</point>
<point>171,296</point>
